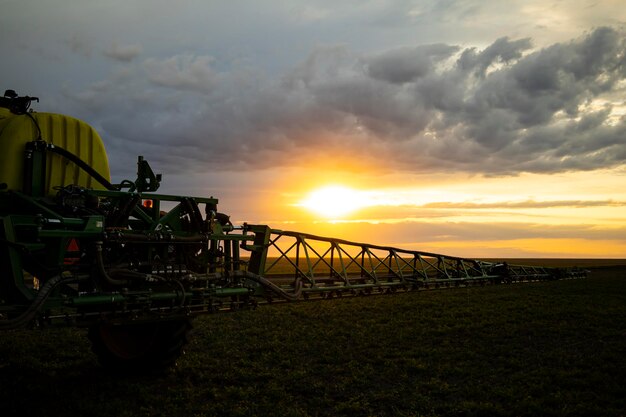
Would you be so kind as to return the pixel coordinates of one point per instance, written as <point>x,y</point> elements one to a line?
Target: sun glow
<point>335,201</point>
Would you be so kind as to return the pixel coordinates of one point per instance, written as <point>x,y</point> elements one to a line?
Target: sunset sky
<point>466,127</point>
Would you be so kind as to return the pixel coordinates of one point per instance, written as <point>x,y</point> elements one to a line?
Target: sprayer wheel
<point>141,347</point>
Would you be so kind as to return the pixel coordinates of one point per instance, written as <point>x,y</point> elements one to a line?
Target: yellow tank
<point>66,132</point>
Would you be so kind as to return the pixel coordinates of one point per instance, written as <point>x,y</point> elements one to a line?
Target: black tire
<point>139,347</point>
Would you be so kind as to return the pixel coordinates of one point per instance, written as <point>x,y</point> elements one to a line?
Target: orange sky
<point>571,215</point>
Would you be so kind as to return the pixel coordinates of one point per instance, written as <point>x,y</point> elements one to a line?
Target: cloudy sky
<point>470,127</point>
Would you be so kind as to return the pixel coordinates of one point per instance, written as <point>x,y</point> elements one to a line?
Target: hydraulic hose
<point>102,270</point>
<point>130,275</point>
<point>32,310</point>
<point>126,273</point>
<point>294,296</point>
<point>82,164</point>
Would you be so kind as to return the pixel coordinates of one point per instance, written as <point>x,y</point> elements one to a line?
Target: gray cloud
<point>498,111</point>
<point>182,72</point>
<point>501,51</point>
<point>527,204</point>
<point>123,53</point>
<point>405,65</point>
<point>80,44</point>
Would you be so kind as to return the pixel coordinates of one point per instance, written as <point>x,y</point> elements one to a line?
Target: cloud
<point>122,53</point>
<point>182,72</point>
<point>526,204</point>
<point>501,51</point>
<point>406,65</point>
<point>502,110</point>
<point>80,44</point>
<point>417,234</point>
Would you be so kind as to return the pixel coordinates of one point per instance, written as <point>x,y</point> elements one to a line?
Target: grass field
<point>540,349</point>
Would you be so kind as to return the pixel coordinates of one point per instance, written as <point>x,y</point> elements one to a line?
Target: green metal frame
<point>42,278</point>
<point>327,266</point>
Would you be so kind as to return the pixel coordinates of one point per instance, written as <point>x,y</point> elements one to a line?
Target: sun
<point>334,201</point>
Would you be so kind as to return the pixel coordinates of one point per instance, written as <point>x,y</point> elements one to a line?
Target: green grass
<point>547,349</point>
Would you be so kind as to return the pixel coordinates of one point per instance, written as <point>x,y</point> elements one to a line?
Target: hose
<point>35,306</point>
<point>131,275</point>
<point>82,164</point>
<point>102,270</point>
<point>275,288</point>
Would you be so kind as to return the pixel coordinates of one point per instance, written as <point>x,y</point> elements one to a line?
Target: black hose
<point>131,275</point>
<point>32,310</point>
<point>194,213</point>
<point>295,296</point>
<point>102,270</point>
<point>35,123</point>
<point>81,164</point>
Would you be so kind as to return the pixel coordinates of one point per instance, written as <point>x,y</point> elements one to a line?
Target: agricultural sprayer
<point>77,250</point>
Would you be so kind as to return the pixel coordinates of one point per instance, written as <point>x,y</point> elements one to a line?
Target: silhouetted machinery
<point>77,250</point>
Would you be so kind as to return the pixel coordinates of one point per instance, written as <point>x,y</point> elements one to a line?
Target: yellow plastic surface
<point>67,132</point>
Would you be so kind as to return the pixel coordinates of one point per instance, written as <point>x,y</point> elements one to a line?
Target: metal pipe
<point>231,292</point>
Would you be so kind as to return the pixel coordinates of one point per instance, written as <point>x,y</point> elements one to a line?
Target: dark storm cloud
<point>407,64</point>
<point>502,50</point>
<point>501,110</point>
